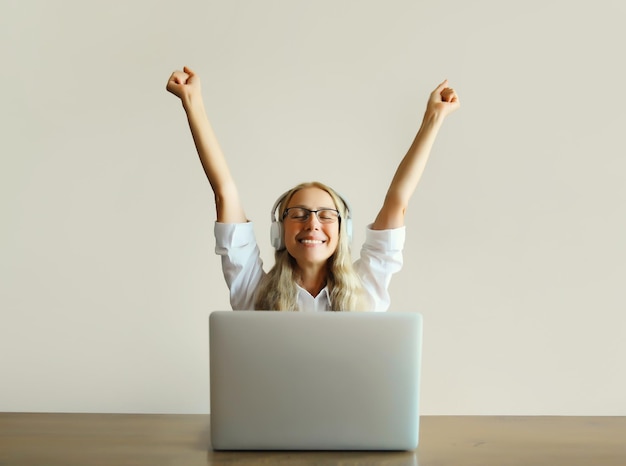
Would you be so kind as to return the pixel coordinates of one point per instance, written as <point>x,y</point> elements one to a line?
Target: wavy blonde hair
<point>278,291</point>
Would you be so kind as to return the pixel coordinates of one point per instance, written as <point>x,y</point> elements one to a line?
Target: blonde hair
<point>278,291</point>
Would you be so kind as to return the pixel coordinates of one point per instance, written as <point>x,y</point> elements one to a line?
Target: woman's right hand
<point>185,85</point>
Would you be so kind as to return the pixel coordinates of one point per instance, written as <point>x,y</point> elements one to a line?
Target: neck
<point>313,279</point>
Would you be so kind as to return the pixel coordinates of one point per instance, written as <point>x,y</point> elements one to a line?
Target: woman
<point>310,224</point>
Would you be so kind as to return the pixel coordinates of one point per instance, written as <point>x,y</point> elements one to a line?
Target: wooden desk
<point>184,440</point>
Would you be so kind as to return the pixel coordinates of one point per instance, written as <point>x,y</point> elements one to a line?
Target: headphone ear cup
<point>276,235</point>
<point>349,229</point>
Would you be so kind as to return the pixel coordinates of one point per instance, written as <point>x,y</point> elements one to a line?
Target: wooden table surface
<point>127,439</point>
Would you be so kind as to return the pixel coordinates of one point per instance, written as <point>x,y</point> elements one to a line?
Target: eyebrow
<point>308,208</point>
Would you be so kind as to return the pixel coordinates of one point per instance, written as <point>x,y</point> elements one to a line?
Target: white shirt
<point>381,257</point>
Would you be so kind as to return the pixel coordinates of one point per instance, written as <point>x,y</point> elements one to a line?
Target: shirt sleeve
<point>381,257</point>
<point>241,262</point>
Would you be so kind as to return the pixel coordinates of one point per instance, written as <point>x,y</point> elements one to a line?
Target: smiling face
<point>311,242</point>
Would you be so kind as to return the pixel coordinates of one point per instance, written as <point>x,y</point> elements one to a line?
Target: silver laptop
<point>314,381</point>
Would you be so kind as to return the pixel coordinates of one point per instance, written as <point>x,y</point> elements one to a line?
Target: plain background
<point>515,249</point>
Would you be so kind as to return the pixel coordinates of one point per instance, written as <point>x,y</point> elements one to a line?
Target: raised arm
<point>186,86</point>
<point>441,103</point>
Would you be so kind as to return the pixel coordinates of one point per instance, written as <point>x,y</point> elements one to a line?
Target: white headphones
<point>277,236</point>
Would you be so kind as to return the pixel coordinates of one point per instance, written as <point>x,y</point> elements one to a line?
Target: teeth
<point>311,241</point>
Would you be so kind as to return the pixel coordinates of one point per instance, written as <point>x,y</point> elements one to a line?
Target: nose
<point>312,223</point>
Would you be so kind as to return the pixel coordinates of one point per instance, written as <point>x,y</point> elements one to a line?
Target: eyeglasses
<point>301,214</point>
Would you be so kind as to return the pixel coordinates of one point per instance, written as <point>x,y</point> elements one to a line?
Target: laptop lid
<point>314,381</point>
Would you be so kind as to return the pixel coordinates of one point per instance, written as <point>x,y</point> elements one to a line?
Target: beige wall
<point>515,251</point>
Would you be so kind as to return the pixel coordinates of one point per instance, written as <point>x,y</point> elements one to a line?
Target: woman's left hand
<point>443,100</point>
